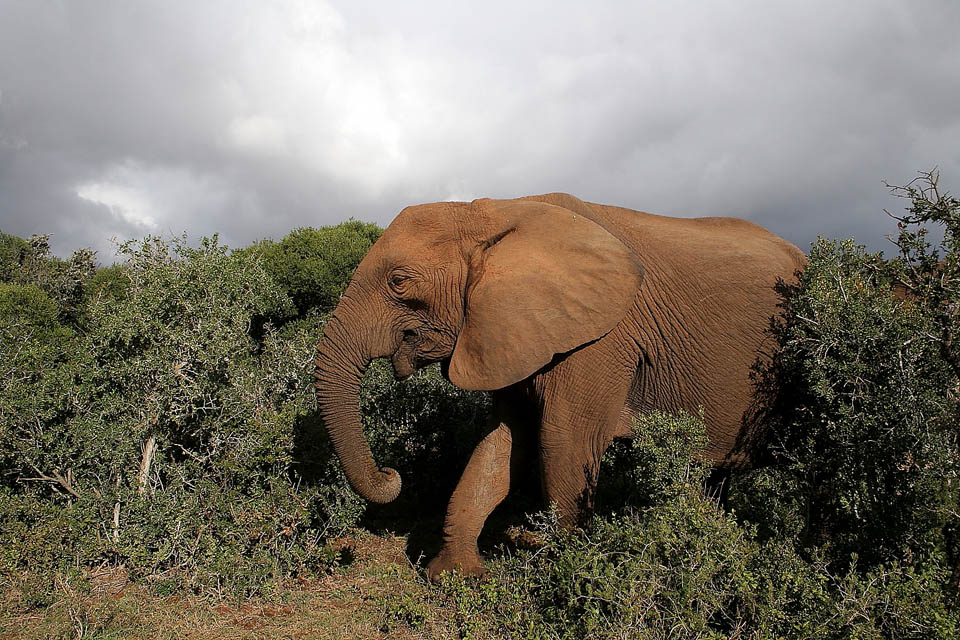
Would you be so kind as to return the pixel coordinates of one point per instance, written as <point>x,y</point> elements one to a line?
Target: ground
<point>380,594</point>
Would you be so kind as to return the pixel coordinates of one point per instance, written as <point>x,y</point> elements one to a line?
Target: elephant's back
<point>707,299</point>
<point>699,240</point>
<point>689,240</point>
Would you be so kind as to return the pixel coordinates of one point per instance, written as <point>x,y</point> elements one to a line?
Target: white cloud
<point>258,135</point>
<point>156,198</point>
<point>124,202</point>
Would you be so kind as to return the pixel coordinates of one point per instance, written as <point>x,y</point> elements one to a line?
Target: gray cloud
<point>249,119</point>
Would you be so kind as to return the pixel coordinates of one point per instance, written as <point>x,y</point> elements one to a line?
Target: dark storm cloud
<point>249,119</point>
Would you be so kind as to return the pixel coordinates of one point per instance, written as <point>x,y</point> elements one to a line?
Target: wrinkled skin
<point>575,316</point>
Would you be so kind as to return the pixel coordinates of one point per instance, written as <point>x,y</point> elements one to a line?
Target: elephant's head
<point>492,289</point>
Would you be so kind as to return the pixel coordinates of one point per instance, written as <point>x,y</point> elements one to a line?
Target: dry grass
<point>349,603</point>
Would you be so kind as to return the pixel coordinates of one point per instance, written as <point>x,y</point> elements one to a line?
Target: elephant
<point>575,316</point>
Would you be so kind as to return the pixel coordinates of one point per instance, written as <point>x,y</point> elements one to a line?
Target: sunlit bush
<point>313,266</point>
<point>683,568</point>
<point>170,439</point>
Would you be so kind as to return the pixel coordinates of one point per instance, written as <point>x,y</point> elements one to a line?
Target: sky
<point>250,119</point>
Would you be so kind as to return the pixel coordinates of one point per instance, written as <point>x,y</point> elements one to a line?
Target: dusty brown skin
<point>575,316</point>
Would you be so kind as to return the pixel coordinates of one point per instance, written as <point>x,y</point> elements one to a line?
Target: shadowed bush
<point>425,428</point>
<point>864,414</point>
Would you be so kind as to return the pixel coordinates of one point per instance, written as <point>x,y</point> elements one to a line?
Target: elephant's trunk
<point>340,365</point>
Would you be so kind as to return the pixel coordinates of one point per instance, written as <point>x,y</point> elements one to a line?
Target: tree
<point>930,274</point>
<point>314,266</point>
<point>64,281</point>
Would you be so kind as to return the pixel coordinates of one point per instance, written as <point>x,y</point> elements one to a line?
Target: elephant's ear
<point>548,281</point>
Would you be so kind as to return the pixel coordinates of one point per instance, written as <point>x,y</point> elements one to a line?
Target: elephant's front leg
<point>484,484</point>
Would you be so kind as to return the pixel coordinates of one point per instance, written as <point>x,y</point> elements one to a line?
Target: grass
<point>379,594</point>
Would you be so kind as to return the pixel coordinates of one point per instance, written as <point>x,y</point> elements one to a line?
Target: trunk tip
<point>387,488</point>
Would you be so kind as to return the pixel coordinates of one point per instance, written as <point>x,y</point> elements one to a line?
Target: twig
<point>56,479</point>
<point>149,448</point>
<point>116,513</point>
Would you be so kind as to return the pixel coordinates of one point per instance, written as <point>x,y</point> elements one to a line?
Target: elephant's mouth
<point>415,352</point>
<point>405,365</point>
<point>402,368</point>
<point>406,359</point>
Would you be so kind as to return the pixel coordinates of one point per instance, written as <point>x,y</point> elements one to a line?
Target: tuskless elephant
<point>575,316</point>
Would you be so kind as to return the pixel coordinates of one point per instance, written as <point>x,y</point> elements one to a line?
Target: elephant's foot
<point>464,563</point>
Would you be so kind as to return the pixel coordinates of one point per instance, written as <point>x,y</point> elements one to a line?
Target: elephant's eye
<point>398,282</point>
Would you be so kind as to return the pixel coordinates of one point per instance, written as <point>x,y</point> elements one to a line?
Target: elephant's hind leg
<point>584,397</point>
<point>484,484</point>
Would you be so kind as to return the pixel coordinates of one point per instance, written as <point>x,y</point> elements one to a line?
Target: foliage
<point>930,274</point>
<point>13,253</point>
<point>661,458</point>
<point>64,281</point>
<point>313,266</point>
<point>38,360</point>
<point>109,281</point>
<point>864,408</point>
<point>169,441</point>
<point>27,308</point>
<point>683,568</point>
<point>175,433</point>
<point>425,428</point>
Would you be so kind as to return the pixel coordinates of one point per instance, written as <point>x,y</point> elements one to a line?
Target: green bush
<point>14,251</point>
<point>425,428</point>
<point>27,308</point>
<point>170,441</point>
<point>64,281</point>
<point>175,433</point>
<point>109,281</point>
<point>39,361</point>
<point>864,415</point>
<point>865,430</point>
<point>660,459</point>
<point>683,568</point>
